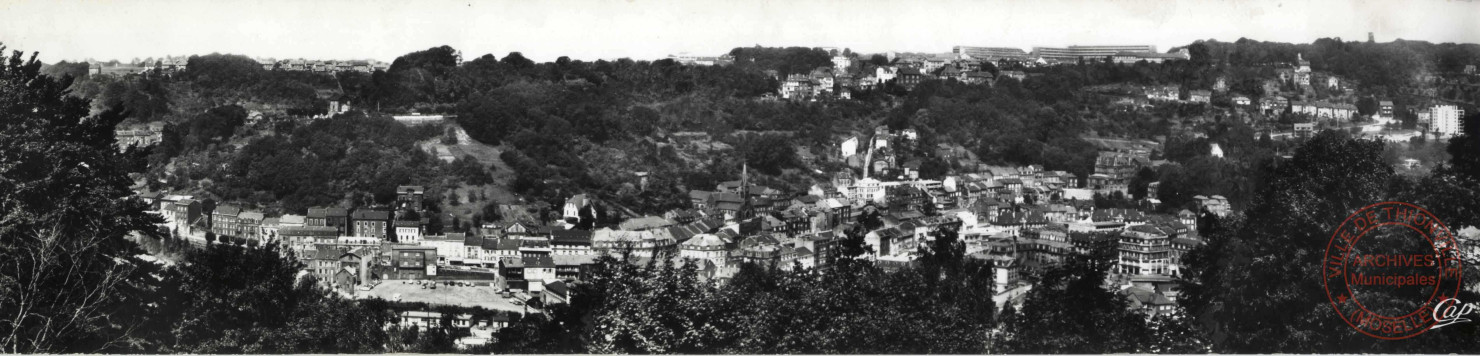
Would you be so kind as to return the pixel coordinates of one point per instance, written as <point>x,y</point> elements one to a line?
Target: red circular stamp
<point>1386,268</point>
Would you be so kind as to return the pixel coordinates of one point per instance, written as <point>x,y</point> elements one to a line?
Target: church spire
<point>744,190</point>
<point>744,175</point>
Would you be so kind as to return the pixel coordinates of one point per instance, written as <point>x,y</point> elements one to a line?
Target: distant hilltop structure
<point>1051,55</point>
<point>172,64</point>
<point>989,53</point>
<point>323,66</point>
<point>168,64</point>
<point>1121,54</point>
<point>420,119</point>
<point>686,58</point>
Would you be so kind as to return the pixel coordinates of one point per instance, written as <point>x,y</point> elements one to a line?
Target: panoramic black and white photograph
<point>740,177</point>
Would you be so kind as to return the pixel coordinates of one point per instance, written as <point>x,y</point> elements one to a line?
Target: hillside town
<point>1019,220</point>
<point>670,178</point>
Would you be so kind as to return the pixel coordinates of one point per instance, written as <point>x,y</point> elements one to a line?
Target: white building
<point>841,62</point>
<point>705,247</point>
<point>449,247</point>
<point>573,206</point>
<point>866,190</point>
<point>885,74</point>
<point>1446,119</point>
<point>850,147</point>
<point>408,231</point>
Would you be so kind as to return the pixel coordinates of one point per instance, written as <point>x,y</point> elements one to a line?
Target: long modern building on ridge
<point>990,53</point>
<point>1074,53</point>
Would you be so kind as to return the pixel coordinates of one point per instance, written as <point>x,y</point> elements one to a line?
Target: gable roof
<point>558,288</point>
<point>703,240</point>
<point>472,240</point>
<point>250,215</point>
<point>645,223</point>
<point>317,212</point>
<point>371,214</point>
<point>684,232</point>
<point>538,262</point>
<point>227,210</point>
<point>571,237</point>
<point>578,200</point>
<point>291,219</point>
<point>1147,297</point>
<point>534,244</point>
<point>511,262</point>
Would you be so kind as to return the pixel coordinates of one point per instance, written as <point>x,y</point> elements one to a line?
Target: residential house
<point>538,270</point>
<point>1200,96</point>
<point>249,225</point>
<point>186,214</point>
<point>371,223</point>
<point>473,251</point>
<point>909,77</point>
<point>1149,302</point>
<point>332,216</point>
<point>573,206</point>
<point>449,247</point>
<point>408,231</point>
<point>512,271</point>
<point>411,261</point>
<point>303,238</point>
<point>1305,129</point>
<point>640,243</point>
<point>410,197</point>
<point>705,247</point>
<point>224,220</point>
<point>1302,70</point>
<point>571,242</point>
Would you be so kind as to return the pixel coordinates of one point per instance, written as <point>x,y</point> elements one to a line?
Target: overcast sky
<point>645,29</point>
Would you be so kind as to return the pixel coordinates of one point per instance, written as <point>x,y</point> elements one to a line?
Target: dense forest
<point>572,126</point>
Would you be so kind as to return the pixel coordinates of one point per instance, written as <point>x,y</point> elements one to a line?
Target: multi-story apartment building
<point>1074,53</point>
<point>371,223</point>
<point>412,262</point>
<point>571,242</point>
<point>185,214</point>
<point>1446,119</point>
<point>302,239</point>
<point>990,53</point>
<point>1144,249</point>
<point>250,224</point>
<point>408,231</point>
<point>224,220</point>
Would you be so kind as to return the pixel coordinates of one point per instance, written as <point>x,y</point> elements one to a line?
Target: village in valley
<point>1019,219</point>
